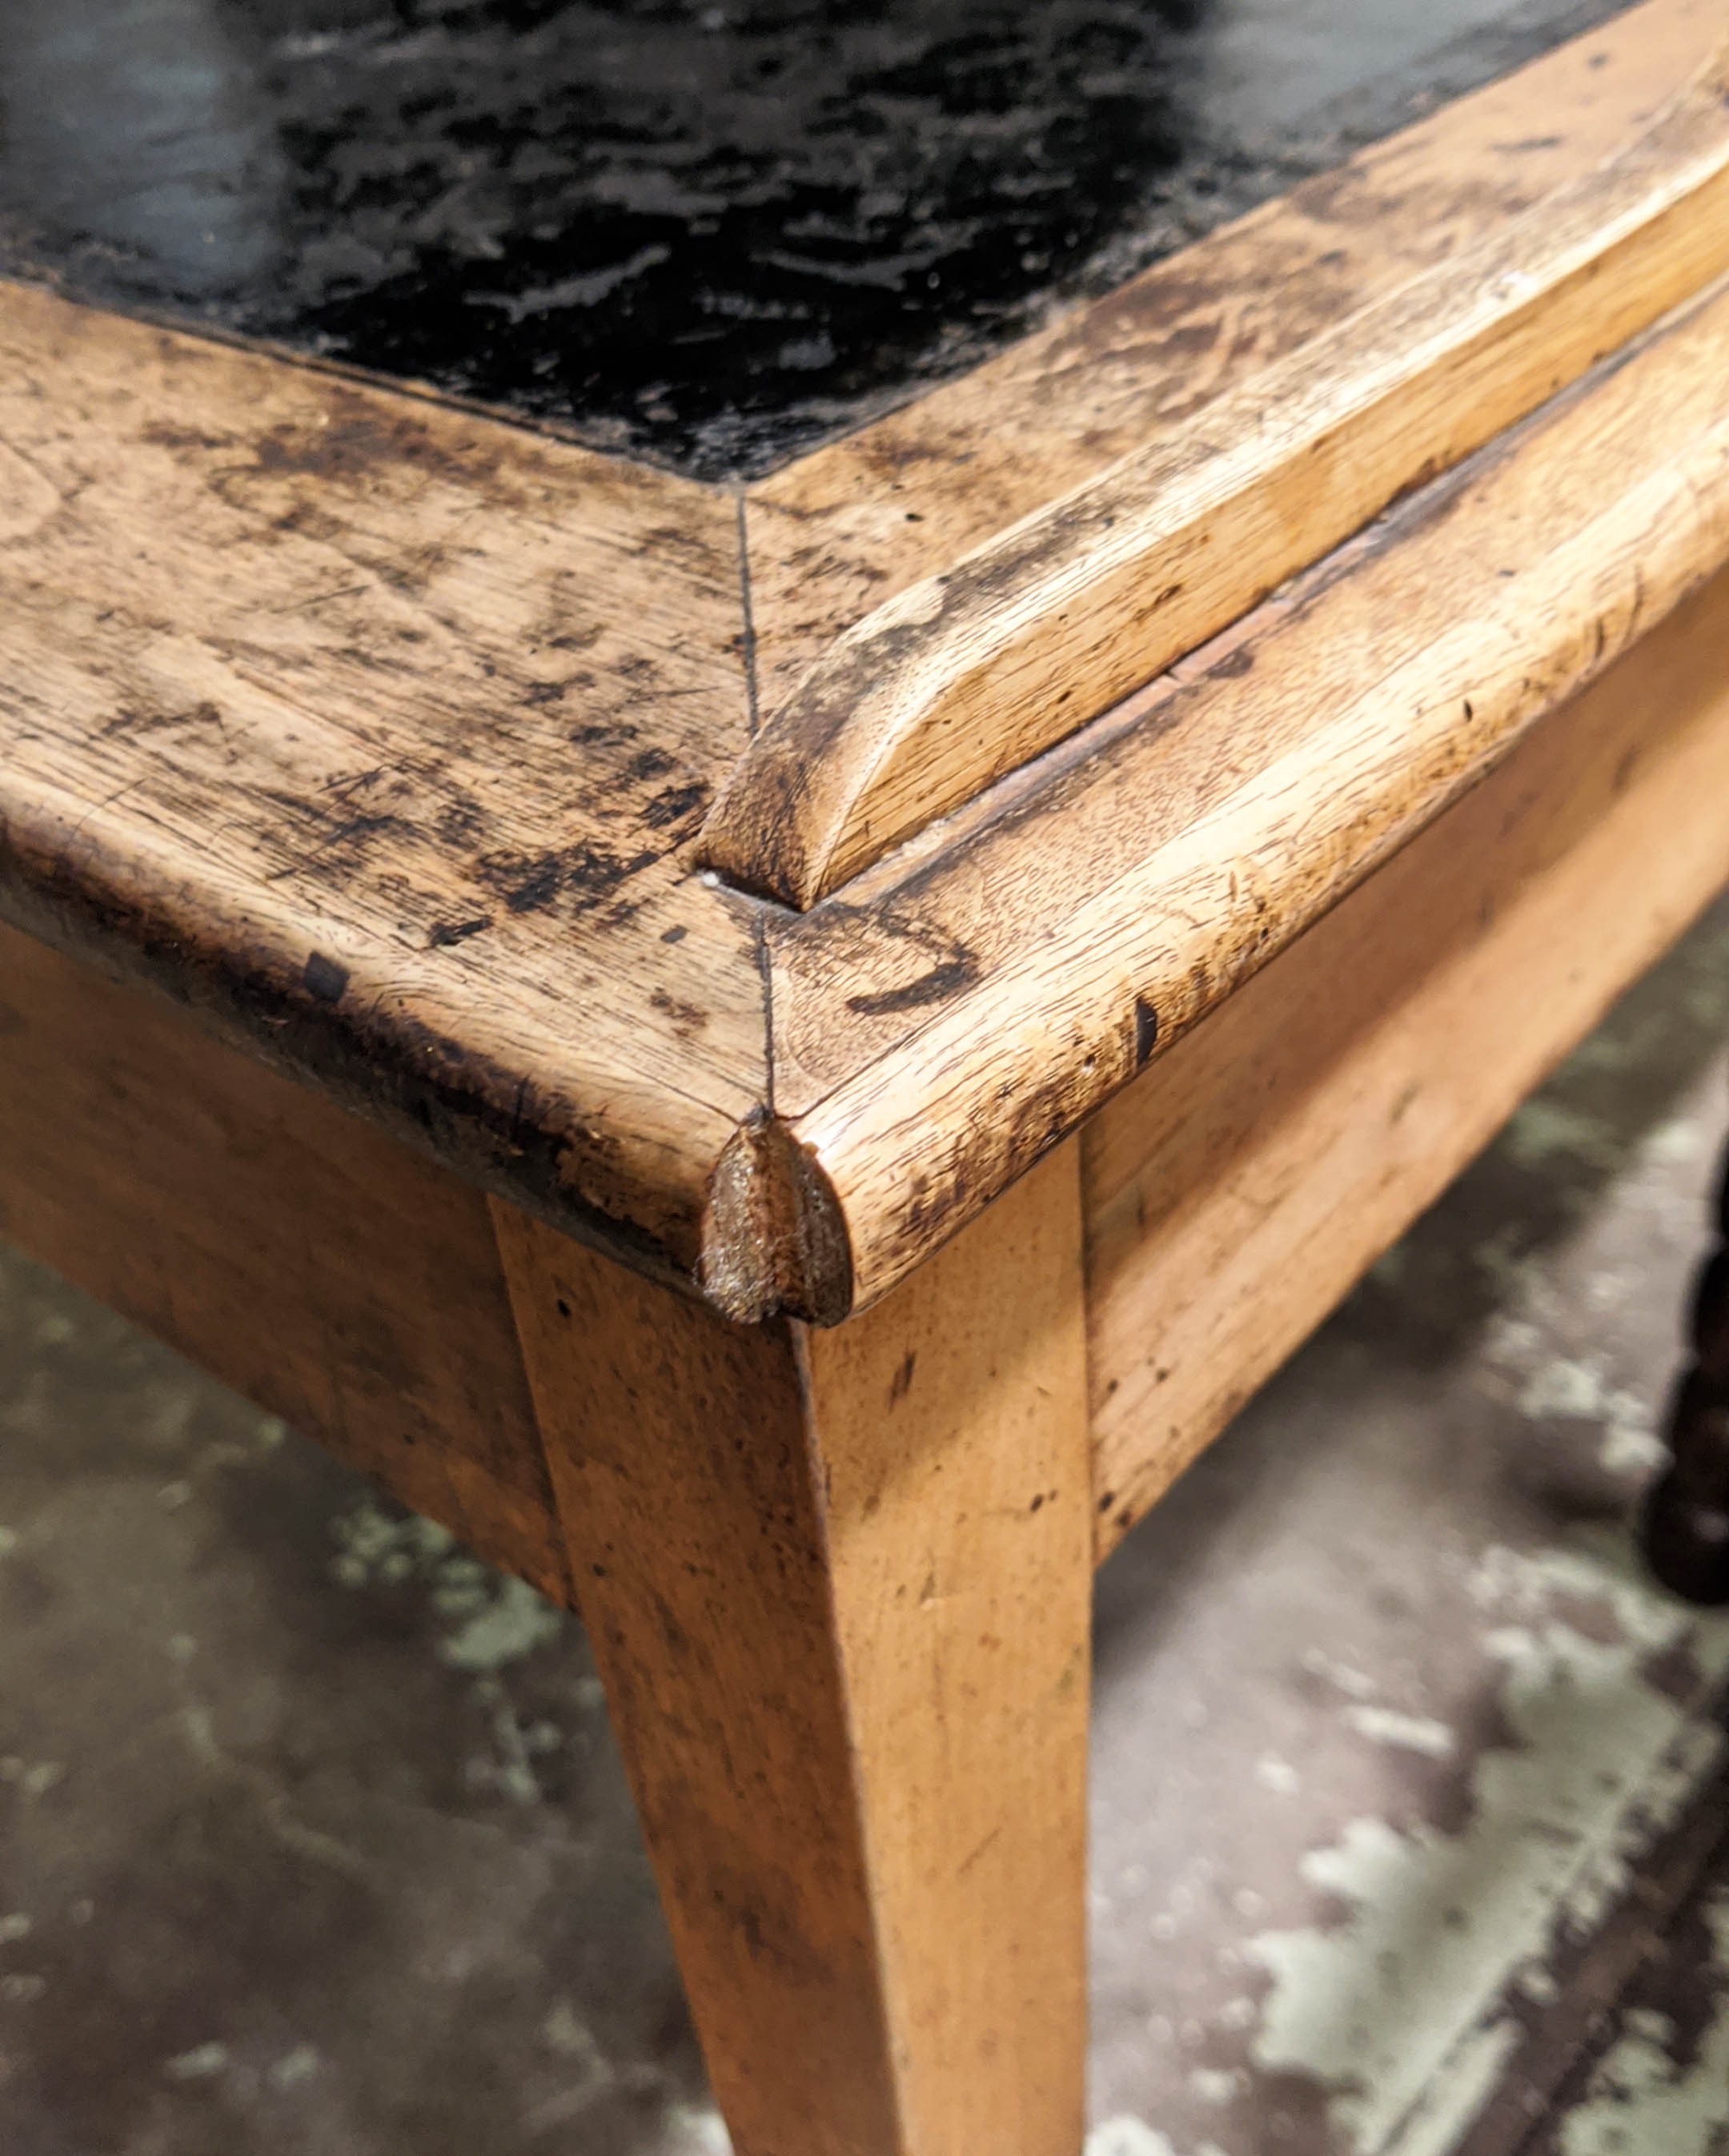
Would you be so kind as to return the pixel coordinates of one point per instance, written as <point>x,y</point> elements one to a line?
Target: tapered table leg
<point>838,1586</point>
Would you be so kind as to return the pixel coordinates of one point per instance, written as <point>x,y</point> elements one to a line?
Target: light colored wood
<point>380,732</point>
<point>386,730</point>
<point>305,1259</point>
<point>843,530</point>
<point>839,1588</point>
<point>968,673</point>
<point>1236,1193</point>
<point>955,1016</point>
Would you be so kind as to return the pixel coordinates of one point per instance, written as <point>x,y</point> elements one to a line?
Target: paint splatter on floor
<point>1411,1816</point>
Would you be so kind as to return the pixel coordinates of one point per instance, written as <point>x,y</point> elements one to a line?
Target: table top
<point>708,234</point>
<point>756,877</point>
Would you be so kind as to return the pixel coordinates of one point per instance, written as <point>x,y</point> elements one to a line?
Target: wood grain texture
<point>381,733</point>
<point>839,1587</point>
<point>845,528</point>
<point>971,672</point>
<point>302,1256</point>
<point>1048,943</point>
<point>382,730</point>
<point>1238,1190</point>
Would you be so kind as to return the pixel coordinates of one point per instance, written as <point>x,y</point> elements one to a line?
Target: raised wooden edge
<point>836,532</point>
<point>1036,961</point>
<point>970,672</point>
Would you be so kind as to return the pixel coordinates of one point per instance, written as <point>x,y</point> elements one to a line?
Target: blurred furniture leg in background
<point>1687,1518</point>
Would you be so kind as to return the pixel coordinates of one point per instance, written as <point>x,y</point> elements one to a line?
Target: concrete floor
<point>1410,1790</point>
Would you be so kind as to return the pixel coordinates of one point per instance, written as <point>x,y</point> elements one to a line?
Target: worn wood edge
<point>777,1229</point>
<point>970,673</point>
<point>219,954</point>
<point>412,389</point>
<point>1188,918</point>
<point>300,1039</point>
<point>772,1238</point>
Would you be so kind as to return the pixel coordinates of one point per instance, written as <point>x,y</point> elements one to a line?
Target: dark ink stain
<point>588,875</point>
<point>592,874</point>
<point>161,435</point>
<point>324,978</point>
<point>327,840</point>
<point>678,805</point>
<point>351,832</point>
<point>343,450</point>
<point>901,1383</point>
<point>461,821</point>
<point>444,933</point>
<point>133,723</point>
<point>687,1020</point>
<point>536,884</point>
<point>1147,1030</point>
<point>1233,665</point>
<point>674,935</point>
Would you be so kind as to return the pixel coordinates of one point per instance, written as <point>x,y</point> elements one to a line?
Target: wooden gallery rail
<point>800,1197</point>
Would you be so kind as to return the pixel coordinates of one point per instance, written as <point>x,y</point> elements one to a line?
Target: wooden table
<point>778,1034</point>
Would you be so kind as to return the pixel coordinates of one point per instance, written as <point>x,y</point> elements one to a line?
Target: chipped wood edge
<point>968,673</point>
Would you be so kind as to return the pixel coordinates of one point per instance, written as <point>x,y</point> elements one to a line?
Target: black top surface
<point>709,232</point>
